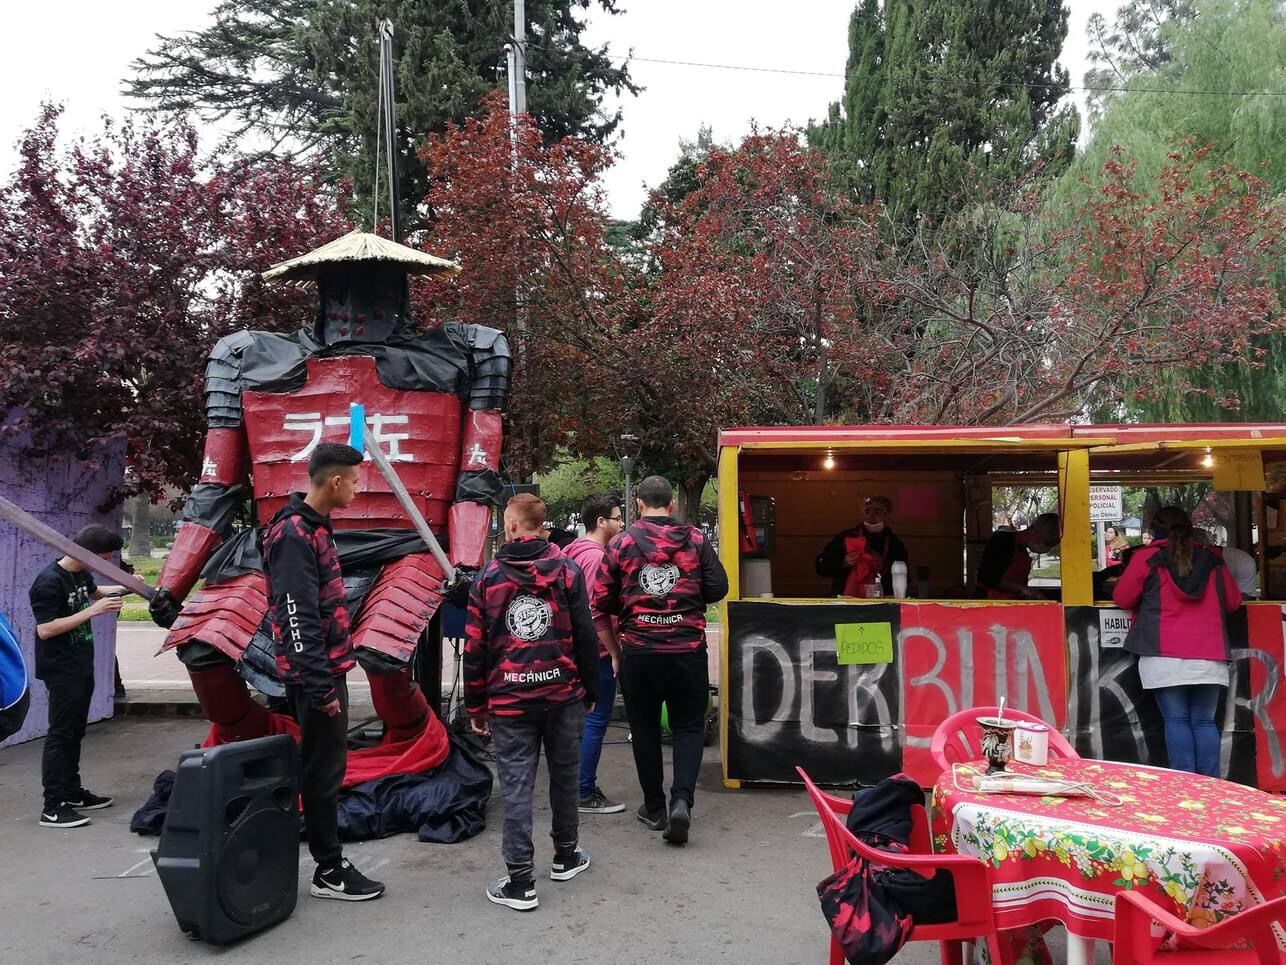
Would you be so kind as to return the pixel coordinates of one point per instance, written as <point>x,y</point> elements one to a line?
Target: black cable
<point>953,81</point>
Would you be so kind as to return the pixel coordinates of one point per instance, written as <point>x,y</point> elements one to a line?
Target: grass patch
<point>147,570</point>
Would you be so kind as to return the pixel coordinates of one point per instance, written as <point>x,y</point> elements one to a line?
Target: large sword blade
<point>371,445</point>
<point>91,561</point>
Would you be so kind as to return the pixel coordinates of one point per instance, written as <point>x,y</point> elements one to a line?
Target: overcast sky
<point>77,51</point>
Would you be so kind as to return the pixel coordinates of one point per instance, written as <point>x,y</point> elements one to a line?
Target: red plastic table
<point>1203,847</point>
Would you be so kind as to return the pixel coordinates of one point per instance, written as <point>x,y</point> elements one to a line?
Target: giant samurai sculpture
<point>433,401</point>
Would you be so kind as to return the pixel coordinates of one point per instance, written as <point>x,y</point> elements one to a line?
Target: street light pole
<point>627,449</point>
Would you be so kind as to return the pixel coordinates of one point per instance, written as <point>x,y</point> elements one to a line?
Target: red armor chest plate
<point>418,431</point>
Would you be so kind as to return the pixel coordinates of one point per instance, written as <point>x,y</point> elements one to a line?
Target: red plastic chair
<point>1134,943</point>
<point>957,738</point>
<point>974,916</point>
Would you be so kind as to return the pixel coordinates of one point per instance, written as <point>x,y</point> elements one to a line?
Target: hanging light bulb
<point>829,461</point>
<point>1209,459</point>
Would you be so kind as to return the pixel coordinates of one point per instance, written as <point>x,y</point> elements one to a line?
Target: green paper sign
<point>863,643</point>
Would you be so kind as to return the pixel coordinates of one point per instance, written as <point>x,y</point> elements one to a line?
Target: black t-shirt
<point>55,594</point>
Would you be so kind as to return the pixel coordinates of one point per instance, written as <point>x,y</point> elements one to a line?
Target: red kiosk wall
<point>1264,624</point>
<point>959,656</point>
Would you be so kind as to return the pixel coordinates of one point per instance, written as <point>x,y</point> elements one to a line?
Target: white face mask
<point>874,527</point>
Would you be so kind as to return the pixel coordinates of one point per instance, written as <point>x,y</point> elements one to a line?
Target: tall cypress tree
<point>303,75</point>
<point>945,97</point>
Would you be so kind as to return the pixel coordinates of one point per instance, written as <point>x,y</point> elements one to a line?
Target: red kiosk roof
<point>1120,434</point>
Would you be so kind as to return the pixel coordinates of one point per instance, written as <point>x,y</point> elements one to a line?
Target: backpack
<point>15,688</point>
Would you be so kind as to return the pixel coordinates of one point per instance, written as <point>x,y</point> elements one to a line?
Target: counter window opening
<point>946,506</point>
<point>914,525</point>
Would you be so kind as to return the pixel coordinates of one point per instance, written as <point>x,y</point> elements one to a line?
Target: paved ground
<point>742,891</point>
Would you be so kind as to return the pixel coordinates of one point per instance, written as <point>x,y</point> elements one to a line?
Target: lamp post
<point>627,448</point>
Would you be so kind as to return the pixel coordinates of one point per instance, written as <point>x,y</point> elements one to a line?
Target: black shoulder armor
<point>489,364</point>
<point>223,380</point>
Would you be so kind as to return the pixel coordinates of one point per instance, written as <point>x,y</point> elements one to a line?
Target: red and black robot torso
<point>433,401</point>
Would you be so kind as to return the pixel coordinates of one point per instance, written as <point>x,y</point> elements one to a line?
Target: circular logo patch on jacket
<point>658,580</point>
<point>528,618</point>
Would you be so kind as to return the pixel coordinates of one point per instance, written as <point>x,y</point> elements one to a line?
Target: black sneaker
<point>652,820</point>
<point>565,869</point>
<point>89,801</point>
<point>345,883</point>
<point>597,802</point>
<point>680,818</point>
<point>520,896</point>
<point>63,816</point>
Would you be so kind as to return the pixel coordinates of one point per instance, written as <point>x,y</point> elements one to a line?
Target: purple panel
<point>65,495</point>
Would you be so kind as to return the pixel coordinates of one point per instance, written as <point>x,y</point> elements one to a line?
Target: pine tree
<point>945,99</point>
<point>303,76</point>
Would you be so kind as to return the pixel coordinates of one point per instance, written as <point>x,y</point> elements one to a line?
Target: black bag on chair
<point>15,688</point>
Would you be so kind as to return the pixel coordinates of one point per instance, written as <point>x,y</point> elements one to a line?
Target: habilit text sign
<point>1113,625</point>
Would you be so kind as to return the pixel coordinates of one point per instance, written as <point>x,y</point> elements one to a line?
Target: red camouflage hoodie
<point>588,555</point>
<point>529,640</point>
<point>306,600</point>
<point>658,577</point>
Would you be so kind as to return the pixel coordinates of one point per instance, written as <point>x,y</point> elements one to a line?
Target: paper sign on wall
<point>1113,625</point>
<point>1105,504</point>
<point>857,643</point>
<point>1239,469</point>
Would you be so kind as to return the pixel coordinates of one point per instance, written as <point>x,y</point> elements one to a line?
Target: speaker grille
<point>259,865</point>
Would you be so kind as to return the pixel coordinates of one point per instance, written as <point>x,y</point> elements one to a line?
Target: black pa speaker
<point>229,850</point>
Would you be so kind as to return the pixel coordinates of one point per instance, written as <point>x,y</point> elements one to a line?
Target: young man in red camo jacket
<point>658,577</point>
<point>530,672</point>
<point>602,517</point>
<point>314,652</point>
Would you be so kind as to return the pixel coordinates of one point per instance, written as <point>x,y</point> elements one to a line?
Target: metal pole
<point>627,466</point>
<point>518,102</point>
<point>517,106</point>
<point>388,92</point>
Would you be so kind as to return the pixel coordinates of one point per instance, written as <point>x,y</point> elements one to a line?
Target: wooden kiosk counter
<point>853,688</point>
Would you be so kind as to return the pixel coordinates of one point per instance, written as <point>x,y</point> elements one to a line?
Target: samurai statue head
<point>362,287</point>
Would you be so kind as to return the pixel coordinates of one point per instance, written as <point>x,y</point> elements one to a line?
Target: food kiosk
<point>853,688</point>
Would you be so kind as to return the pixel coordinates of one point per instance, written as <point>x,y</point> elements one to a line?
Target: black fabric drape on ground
<point>445,805</point>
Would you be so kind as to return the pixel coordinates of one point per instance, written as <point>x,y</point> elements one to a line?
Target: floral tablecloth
<point>1201,847</point>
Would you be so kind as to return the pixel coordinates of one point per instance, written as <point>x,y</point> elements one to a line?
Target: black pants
<point>60,762</point>
<point>682,682</point>
<point>517,742</point>
<point>323,755</point>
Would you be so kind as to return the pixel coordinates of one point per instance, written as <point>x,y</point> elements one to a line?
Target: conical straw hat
<point>359,246</point>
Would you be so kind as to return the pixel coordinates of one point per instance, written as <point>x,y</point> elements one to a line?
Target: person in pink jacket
<point>1180,593</point>
<point>602,518</point>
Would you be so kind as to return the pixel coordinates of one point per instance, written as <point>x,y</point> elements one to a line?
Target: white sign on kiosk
<point>1105,504</point>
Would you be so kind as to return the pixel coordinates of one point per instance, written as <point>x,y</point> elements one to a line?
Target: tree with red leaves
<point>763,278</point>
<point>527,223</point>
<point>760,297</point>
<point>122,259</point>
<point>1041,324</point>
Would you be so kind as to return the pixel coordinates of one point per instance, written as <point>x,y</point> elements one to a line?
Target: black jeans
<point>60,762</point>
<point>517,742</point>
<point>682,682</point>
<point>323,755</point>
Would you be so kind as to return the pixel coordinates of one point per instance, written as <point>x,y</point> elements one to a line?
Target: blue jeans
<point>591,743</point>
<point>1191,737</point>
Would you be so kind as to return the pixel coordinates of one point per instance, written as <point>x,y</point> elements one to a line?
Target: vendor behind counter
<point>1005,570</point>
<point>854,556</point>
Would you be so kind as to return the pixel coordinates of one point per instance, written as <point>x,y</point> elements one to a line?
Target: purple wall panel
<point>63,494</point>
